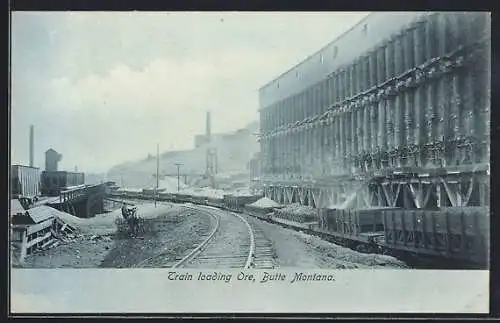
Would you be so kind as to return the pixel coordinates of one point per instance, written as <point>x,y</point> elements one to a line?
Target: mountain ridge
<point>234,151</point>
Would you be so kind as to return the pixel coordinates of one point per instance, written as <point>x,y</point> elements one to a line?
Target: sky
<point>103,88</point>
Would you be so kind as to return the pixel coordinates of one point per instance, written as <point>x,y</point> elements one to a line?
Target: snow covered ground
<point>103,224</point>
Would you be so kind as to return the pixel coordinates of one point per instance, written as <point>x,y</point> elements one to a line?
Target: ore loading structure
<point>385,131</point>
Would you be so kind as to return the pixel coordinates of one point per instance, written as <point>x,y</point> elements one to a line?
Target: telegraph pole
<point>157,171</point>
<point>178,175</point>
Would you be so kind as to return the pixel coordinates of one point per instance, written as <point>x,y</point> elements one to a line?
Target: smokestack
<point>32,143</point>
<point>209,132</point>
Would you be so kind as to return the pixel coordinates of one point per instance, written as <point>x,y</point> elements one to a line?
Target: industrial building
<point>394,112</point>
<point>25,181</point>
<point>52,180</point>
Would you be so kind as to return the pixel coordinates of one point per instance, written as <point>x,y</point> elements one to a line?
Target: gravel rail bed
<point>264,256</point>
<point>230,246</point>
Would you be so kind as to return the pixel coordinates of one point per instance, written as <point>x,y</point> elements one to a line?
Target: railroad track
<point>232,243</point>
<point>264,256</point>
<point>232,247</point>
<point>169,258</point>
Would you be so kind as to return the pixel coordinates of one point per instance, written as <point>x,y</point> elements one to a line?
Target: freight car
<point>25,181</point>
<point>215,201</point>
<point>236,203</point>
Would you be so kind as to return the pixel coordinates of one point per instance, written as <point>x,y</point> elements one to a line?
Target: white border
<point>124,291</point>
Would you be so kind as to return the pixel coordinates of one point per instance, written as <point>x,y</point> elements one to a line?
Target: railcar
<point>237,203</point>
<point>263,213</point>
<point>215,202</point>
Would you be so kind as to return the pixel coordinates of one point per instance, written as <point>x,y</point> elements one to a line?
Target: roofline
<point>62,171</point>
<point>319,50</point>
<point>18,165</point>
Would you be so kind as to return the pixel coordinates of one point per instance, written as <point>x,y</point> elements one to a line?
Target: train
<point>448,236</point>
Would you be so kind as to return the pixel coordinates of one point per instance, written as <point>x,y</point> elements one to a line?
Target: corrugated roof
<point>16,207</point>
<point>41,213</point>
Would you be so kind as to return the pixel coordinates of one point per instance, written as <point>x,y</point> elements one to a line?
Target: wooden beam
<point>38,227</point>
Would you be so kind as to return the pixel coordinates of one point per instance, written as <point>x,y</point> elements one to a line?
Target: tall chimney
<point>209,133</point>
<point>32,148</point>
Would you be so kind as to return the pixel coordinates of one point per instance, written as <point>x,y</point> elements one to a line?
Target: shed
<point>35,215</point>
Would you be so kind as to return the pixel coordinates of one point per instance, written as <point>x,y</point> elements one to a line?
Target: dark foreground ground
<point>170,230</point>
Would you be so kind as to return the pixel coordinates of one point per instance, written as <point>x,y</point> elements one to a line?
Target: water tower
<point>52,158</point>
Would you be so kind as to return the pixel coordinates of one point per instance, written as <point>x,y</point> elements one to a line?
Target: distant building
<point>54,182</point>
<point>52,158</point>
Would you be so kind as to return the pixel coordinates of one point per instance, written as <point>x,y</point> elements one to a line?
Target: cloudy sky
<point>104,88</point>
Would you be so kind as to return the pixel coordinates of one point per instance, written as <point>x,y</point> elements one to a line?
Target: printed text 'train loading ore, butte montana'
<point>264,277</point>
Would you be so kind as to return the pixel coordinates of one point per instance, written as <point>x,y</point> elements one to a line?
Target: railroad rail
<point>227,249</point>
<point>207,253</point>
<point>199,249</point>
<point>263,256</point>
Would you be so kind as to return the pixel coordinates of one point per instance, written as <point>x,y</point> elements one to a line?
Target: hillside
<point>234,150</point>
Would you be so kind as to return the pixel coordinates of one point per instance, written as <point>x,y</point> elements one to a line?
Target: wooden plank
<point>19,227</point>
<point>39,239</point>
<point>393,215</point>
<point>48,243</point>
<point>403,216</point>
<point>40,226</point>
<point>386,226</point>
<point>24,247</point>
<point>425,226</point>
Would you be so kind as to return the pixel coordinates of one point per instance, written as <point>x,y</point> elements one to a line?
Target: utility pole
<point>178,176</point>
<point>157,171</point>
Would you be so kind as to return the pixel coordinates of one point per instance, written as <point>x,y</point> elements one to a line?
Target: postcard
<point>249,162</point>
